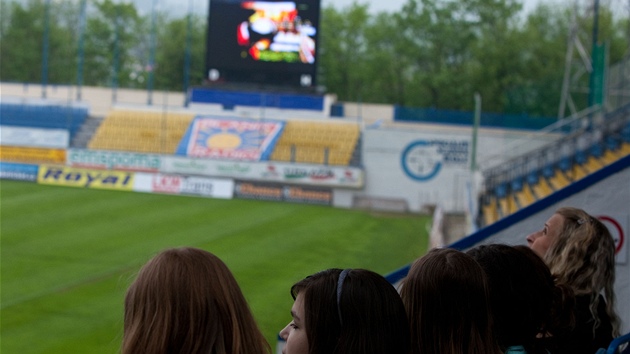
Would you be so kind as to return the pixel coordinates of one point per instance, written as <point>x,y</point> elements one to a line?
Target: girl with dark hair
<point>186,300</point>
<point>523,297</point>
<point>580,251</point>
<point>446,298</point>
<point>346,311</point>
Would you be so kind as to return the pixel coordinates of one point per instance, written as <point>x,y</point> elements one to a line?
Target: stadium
<point>261,166</point>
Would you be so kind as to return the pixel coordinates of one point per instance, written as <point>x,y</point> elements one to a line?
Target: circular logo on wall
<point>421,160</point>
<point>615,230</point>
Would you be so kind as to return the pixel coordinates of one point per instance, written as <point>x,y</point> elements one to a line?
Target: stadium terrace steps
<point>148,132</point>
<point>317,142</point>
<point>509,198</point>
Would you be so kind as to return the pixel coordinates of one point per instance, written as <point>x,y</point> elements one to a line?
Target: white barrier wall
<point>426,164</point>
<point>609,200</point>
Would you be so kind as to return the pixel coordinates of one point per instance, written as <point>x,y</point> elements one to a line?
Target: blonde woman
<point>580,252</point>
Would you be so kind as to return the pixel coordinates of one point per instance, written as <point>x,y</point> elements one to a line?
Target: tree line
<point>430,53</point>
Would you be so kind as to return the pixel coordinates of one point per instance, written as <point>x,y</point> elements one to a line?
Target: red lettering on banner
<point>167,184</point>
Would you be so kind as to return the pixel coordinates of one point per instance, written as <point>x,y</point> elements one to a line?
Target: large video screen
<point>263,42</point>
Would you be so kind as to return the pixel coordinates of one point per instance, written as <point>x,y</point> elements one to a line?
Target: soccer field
<point>69,254</point>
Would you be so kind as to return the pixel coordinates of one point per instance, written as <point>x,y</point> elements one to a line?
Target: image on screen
<point>263,41</point>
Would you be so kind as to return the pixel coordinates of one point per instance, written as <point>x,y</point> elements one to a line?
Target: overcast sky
<point>180,7</point>
<point>395,5</point>
<point>201,6</point>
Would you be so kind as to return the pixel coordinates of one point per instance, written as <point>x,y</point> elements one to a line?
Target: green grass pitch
<point>69,254</point>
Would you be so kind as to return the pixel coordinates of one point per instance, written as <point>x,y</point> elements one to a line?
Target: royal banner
<point>232,139</point>
<point>32,155</point>
<point>84,178</point>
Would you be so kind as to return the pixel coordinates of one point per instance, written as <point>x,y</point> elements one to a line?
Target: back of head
<point>521,293</point>
<point>186,300</point>
<point>583,257</point>
<point>446,297</point>
<point>368,318</point>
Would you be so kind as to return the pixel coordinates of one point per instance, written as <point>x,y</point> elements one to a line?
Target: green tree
<point>111,34</point>
<point>22,38</point>
<point>171,53</point>
<point>343,50</point>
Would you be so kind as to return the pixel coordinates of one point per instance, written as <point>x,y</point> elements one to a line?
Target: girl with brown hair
<point>186,300</point>
<point>524,298</point>
<point>446,298</point>
<point>580,252</point>
<point>346,311</point>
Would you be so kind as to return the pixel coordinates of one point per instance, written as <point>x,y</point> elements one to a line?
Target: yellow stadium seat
<point>542,188</point>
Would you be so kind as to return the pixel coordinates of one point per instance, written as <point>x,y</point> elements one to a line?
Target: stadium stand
<point>329,143</point>
<point>596,141</point>
<point>43,116</point>
<point>149,132</point>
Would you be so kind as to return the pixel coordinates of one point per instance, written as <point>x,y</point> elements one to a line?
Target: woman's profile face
<point>541,240</point>
<point>294,333</point>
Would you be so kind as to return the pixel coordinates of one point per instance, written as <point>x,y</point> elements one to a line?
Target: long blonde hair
<point>583,257</point>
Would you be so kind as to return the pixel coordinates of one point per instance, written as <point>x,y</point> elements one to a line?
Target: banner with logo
<point>283,193</point>
<point>183,185</point>
<point>231,139</point>
<point>84,178</point>
<point>33,137</point>
<point>18,171</point>
<point>114,160</point>
<point>317,175</point>
<point>32,155</point>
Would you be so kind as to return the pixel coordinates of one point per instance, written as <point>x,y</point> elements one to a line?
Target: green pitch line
<point>68,255</point>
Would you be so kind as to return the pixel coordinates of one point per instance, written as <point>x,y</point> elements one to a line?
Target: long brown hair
<point>360,314</point>
<point>583,257</point>
<point>522,287</point>
<point>186,300</point>
<point>446,297</point>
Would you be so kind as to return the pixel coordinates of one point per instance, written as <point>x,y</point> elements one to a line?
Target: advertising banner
<point>316,175</point>
<point>230,139</point>
<point>273,192</point>
<point>183,185</point>
<point>113,160</point>
<point>32,155</point>
<point>18,172</point>
<point>83,178</point>
<point>33,137</point>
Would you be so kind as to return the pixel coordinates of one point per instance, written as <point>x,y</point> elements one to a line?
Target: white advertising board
<point>183,185</point>
<point>114,160</point>
<point>318,175</point>
<point>33,137</point>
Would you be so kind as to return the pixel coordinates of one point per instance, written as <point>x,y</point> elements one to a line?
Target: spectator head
<point>446,298</point>
<point>186,300</point>
<point>346,311</point>
<point>523,295</point>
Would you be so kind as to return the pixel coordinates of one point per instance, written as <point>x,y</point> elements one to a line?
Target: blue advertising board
<point>18,171</point>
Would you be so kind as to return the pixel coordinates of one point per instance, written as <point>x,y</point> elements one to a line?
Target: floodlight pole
<point>152,55</point>
<point>188,54</point>
<point>477,120</point>
<point>45,48</point>
<point>80,52</point>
